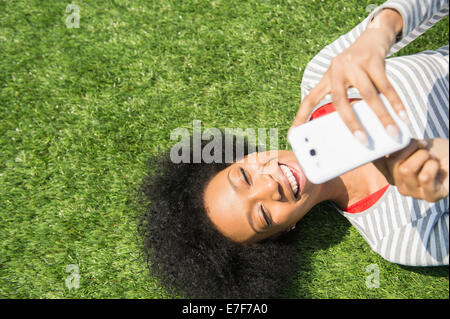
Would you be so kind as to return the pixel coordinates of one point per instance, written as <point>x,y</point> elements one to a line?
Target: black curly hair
<point>186,252</point>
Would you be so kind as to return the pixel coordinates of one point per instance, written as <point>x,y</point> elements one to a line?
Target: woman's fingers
<point>378,76</point>
<point>343,107</point>
<point>408,173</point>
<point>370,95</point>
<point>432,187</point>
<point>415,172</point>
<point>398,157</point>
<point>413,164</point>
<point>387,164</point>
<point>428,180</point>
<point>400,168</point>
<point>369,80</point>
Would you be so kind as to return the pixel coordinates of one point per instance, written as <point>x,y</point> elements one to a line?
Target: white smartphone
<point>325,148</point>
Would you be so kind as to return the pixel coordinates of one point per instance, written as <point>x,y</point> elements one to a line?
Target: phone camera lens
<point>312,152</point>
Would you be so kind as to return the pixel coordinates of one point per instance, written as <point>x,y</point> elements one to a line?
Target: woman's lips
<point>291,180</point>
<point>299,176</point>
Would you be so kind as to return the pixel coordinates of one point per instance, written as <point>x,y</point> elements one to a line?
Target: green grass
<point>81,110</point>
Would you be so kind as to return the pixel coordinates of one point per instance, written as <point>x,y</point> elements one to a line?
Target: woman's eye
<point>244,175</point>
<point>266,217</point>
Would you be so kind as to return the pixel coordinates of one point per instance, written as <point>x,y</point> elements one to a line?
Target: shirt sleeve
<point>418,16</point>
<point>405,230</point>
<point>422,242</point>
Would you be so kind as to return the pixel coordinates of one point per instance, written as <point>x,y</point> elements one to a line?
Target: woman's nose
<point>268,187</point>
<point>276,194</point>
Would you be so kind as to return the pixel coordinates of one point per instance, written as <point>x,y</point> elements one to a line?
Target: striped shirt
<point>402,229</point>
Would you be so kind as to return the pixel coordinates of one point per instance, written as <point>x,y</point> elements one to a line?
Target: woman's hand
<point>362,65</point>
<point>419,170</point>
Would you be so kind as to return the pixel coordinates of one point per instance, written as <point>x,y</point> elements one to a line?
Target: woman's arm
<point>353,65</point>
<point>361,65</point>
<point>417,17</point>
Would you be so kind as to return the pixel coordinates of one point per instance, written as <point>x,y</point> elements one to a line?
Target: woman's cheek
<point>284,214</point>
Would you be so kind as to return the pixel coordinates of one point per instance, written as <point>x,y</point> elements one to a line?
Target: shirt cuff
<point>400,7</point>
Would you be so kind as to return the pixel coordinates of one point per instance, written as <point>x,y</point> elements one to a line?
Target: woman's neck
<point>354,186</point>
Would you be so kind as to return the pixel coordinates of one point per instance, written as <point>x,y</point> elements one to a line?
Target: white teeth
<point>287,172</point>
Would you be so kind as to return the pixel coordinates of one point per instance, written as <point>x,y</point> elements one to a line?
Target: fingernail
<point>393,132</point>
<point>402,114</point>
<point>361,137</point>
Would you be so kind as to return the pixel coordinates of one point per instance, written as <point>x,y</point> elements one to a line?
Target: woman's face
<point>260,196</point>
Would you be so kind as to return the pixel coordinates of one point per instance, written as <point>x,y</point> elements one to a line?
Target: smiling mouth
<point>293,182</point>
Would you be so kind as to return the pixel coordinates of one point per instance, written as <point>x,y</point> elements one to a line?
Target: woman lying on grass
<point>222,230</point>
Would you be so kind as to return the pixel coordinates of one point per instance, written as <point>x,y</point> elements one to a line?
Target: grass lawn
<point>81,109</point>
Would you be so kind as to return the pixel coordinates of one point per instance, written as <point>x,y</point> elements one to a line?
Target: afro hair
<point>187,253</point>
